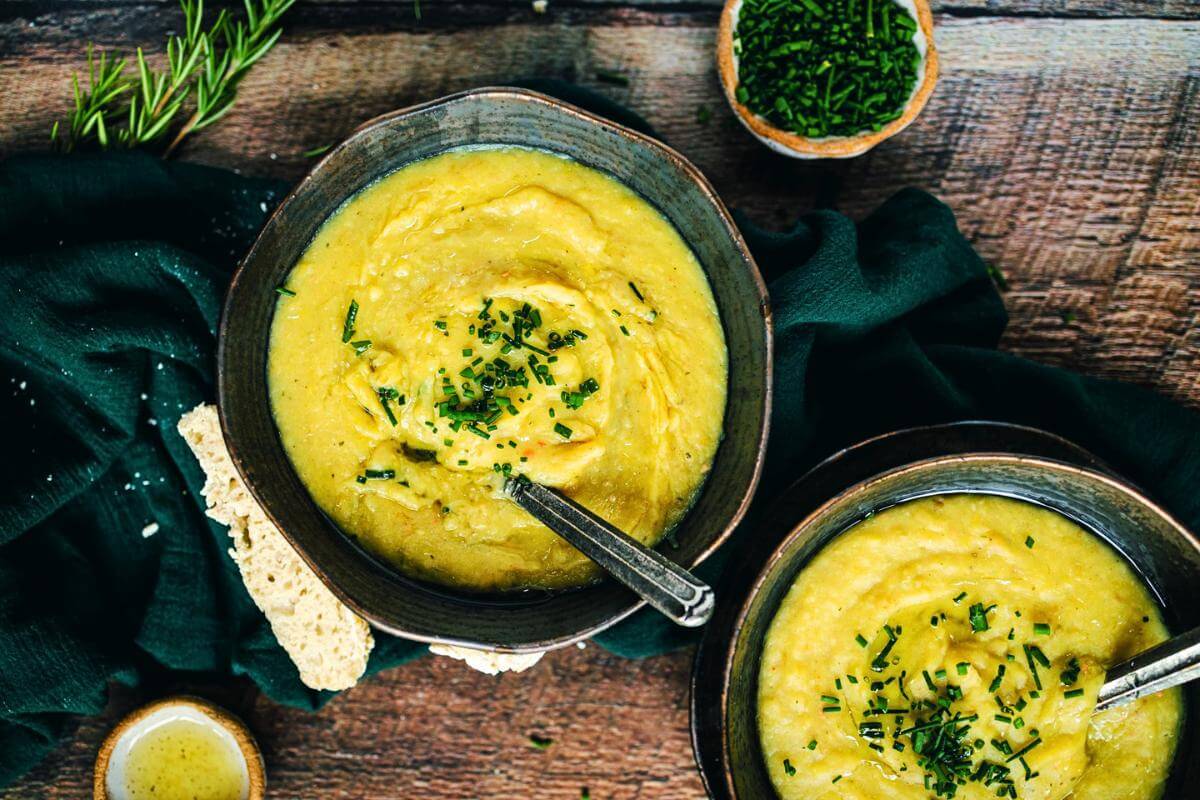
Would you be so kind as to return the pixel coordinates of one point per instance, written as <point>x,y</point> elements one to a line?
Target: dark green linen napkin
<point>112,269</point>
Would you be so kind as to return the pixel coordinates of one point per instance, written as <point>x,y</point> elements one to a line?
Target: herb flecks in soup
<point>488,313</point>
<point>953,647</point>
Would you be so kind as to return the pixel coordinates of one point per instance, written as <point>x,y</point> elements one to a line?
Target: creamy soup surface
<point>962,635</point>
<point>487,313</point>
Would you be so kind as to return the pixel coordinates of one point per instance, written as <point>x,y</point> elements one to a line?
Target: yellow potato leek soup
<point>953,647</point>
<point>493,312</point>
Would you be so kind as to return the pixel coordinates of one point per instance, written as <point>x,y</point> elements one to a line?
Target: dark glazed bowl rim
<point>736,243</point>
<point>713,667</point>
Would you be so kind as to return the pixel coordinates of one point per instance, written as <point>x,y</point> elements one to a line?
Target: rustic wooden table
<point>1064,133</point>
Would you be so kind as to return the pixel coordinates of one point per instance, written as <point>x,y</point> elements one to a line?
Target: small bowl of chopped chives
<point>826,78</point>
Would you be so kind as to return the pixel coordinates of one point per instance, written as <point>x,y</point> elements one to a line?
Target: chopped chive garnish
<point>1070,693</point>
<point>386,393</point>
<point>1023,750</point>
<point>440,324</point>
<point>638,294</point>
<point>1041,628</point>
<point>871,730</point>
<point>879,663</point>
<point>858,637</point>
<point>283,290</point>
<point>962,667</point>
<point>788,768</point>
<point>562,430</point>
<point>995,684</point>
<point>959,597</point>
<point>1071,673</point>
<point>978,617</point>
<point>1003,718</point>
<point>812,745</point>
<point>348,324</point>
<point>1039,655</point>
<point>831,709</point>
<point>379,474</point>
<point>1032,667</point>
<point>829,699</point>
<point>624,330</point>
<point>540,742</point>
<point>1029,542</point>
<point>361,346</point>
<point>821,68</point>
<point>608,76</point>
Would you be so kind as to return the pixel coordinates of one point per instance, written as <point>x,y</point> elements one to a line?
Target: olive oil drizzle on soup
<point>953,647</point>
<point>487,313</point>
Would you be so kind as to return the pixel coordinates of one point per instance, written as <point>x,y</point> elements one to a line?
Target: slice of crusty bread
<point>327,641</point>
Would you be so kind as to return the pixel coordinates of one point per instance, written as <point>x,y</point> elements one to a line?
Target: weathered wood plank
<point>127,23</point>
<point>432,9</point>
<point>1067,147</point>
<point>435,729</point>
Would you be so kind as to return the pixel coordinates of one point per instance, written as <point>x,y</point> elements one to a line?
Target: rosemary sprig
<point>204,67</point>
<point>223,69</point>
<point>106,85</point>
<point>160,95</point>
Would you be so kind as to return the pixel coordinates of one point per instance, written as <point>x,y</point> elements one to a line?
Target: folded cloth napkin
<point>112,270</point>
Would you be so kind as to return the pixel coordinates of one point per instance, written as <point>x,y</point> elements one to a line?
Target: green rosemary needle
<point>202,73</point>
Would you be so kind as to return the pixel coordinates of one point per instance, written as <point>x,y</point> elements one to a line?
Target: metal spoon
<point>656,579</point>
<point>1171,663</point>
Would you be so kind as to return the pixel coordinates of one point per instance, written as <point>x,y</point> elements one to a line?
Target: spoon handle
<point>656,579</point>
<point>1171,663</point>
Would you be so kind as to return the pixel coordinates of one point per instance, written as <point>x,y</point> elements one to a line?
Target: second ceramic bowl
<point>985,458</point>
<point>493,116</point>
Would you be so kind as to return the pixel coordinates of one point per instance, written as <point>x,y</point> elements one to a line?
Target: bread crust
<point>328,642</point>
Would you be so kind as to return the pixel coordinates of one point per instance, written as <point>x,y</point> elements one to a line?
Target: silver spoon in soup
<point>1172,663</point>
<point>659,581</point>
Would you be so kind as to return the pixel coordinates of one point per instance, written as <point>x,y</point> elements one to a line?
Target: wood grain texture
<point>436,729</point>
<point>1064,134</point>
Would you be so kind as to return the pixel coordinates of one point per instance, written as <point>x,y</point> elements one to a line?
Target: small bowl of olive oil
<point>179,748</point>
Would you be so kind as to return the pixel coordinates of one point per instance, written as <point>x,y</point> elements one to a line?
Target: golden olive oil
<point>184,759</point>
